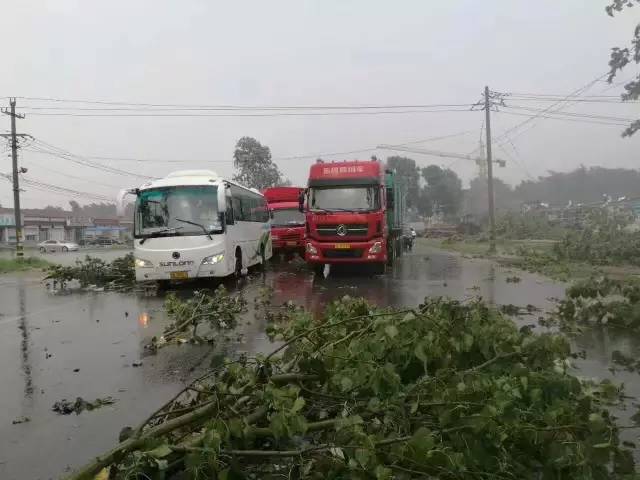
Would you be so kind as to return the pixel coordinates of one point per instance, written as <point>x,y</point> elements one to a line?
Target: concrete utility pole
<point>16,186</point>
<point>492,215</point>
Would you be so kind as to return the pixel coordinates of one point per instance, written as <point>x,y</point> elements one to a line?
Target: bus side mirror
<point>301,202</point>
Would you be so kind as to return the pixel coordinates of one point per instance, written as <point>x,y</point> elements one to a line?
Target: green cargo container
<point>396,212</point>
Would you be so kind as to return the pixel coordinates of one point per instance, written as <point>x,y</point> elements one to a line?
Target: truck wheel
<point>318,269</point>
<point>391,252</point>
<point>379,268</point>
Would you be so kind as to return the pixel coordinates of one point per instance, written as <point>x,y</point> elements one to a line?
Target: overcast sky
<point>329,52</point>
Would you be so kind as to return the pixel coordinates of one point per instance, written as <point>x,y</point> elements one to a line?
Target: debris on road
<point>365,390</point>
<point>20,420</point>
<point>513,279</point>
<point>66,407</point>
<point>95,274</point>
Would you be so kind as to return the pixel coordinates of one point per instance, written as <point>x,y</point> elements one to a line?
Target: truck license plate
<point>179,275</point>
<point>342,246</point>
<point>291,244</point>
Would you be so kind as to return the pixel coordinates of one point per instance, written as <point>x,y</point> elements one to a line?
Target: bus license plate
<point>342,246</point>
<point>179,275</point>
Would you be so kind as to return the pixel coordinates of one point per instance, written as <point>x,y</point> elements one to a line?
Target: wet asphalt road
<point>45,337</point>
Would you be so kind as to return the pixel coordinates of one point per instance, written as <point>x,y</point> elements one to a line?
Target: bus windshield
<point>358,198</point>
<point>287,217</point>
<point>177,211</point>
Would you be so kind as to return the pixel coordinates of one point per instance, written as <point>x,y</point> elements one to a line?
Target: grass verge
<point>9,265</point>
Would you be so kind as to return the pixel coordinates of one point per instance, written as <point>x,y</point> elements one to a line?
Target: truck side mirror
<point>301,202</point>
<point>390,200</point>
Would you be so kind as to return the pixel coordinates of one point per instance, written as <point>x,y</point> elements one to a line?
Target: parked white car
<point>57,246</point>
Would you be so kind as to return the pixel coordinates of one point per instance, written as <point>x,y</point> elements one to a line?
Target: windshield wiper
<point>158,232</point>
<point>206,232</point>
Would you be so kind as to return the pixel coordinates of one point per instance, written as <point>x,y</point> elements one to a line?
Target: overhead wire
<point>257,115</point>
<point>47,148</point>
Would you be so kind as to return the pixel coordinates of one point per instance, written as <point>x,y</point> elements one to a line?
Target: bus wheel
<point>238,268</point>
<point>263,258</point>
<point>318,269</point>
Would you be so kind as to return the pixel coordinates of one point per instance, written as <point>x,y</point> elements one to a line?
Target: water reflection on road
<point>55,346</point>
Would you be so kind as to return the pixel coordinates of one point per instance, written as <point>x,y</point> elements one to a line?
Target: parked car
<point>57,246</point>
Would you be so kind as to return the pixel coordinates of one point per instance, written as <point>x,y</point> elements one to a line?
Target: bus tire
<point>237,272</point>
<point>318,269</point>
<point>263,258</point>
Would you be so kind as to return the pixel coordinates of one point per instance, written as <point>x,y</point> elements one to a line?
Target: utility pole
<point>16,184</point>
<point>492,215</point>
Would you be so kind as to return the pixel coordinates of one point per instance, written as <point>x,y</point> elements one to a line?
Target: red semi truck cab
<point>345,212</point>
<point>287,222</point>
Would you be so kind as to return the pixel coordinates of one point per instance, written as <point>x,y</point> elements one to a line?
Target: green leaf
<point>298,405</point>
<point>461,387</point>
<point>391,331</point>
<point>160,452</point>
<point>363,457</point>
<point>337,452</point>
<point>383,473</point>
<point>346,384</point>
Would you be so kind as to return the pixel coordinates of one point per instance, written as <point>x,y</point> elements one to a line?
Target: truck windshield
<point>287,217</point>
<point>345,198</point>
<point>167,211</point>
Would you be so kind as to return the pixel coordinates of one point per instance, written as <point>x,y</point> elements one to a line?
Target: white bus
<point>194,224</point>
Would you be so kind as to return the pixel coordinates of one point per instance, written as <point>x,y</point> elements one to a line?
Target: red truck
<point>287,222</point>
<point>354,212</point>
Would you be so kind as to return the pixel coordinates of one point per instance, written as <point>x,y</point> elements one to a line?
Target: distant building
<point>42,224</point>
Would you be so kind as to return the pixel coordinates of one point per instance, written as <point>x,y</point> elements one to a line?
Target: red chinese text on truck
<point>354,212</point>
<point>287,223</point>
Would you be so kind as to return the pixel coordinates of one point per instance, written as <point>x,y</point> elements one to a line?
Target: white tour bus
<point>193,223</point>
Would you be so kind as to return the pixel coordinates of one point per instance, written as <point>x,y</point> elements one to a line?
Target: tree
<point>254,165</point>
<point>76,209</point>
<point>621,57</point>
<point>444,189</point>
<point>406,169</point>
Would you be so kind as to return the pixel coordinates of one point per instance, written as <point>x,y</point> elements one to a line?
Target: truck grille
<point>353,230</point>
<point>331,253</point>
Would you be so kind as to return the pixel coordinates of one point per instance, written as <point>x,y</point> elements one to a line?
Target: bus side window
<point>229,218</point>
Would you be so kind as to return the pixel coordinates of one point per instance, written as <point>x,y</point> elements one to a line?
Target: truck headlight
<point>140,263</point>
<point>213,259</point>
<point>376,248</point>
<point>311,250</point>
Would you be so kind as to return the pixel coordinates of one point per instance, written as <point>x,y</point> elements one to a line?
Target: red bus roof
<point>330,172</point>
<point>282,194</point>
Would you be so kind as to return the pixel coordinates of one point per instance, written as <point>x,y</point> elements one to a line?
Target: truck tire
<point>318,269</point>
<point>379,268</point>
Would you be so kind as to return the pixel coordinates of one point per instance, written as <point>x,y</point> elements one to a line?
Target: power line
<point>361,150</point>
<point>572,114</point>
<point>529,116</point>
<point>57,189</point>
<point>231,115</point>
<point>241,107</point>
<point>47,148</point>
<point>578,91</point>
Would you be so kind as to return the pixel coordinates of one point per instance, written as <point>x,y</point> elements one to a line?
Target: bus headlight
<point>311,250</point>
<point>140,263</point>
<point>376,248</point>
<point>213,259</point>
